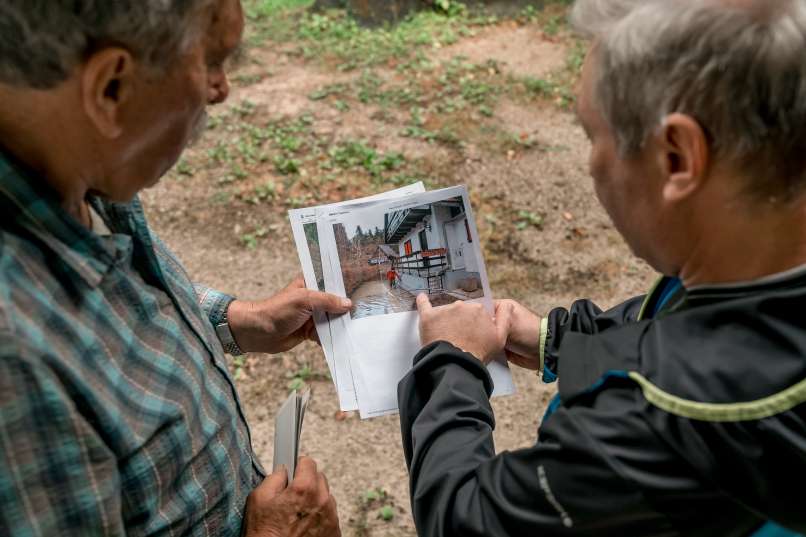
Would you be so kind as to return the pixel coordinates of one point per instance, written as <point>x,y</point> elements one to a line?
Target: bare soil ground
<point>523,157</point>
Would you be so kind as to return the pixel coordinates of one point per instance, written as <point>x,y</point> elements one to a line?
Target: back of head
<point>736,66</point>
<point>42,41</point>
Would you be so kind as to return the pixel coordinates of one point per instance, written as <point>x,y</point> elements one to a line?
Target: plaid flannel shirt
<point>117,413</point>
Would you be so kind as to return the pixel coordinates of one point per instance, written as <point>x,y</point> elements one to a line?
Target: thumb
<point>328,302</point>
<point>424,303</point>
<point>275,483</point>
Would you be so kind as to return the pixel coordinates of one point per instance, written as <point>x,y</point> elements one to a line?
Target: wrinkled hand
<point>306,508</point>
<point>523,334</point>
<point>283,321</point>
<point>469,327</point>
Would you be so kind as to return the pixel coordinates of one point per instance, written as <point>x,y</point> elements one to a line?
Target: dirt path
<point>546,241</point>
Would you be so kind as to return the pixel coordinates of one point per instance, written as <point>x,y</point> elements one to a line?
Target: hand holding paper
<point>306,507</point>
<point>467,326</point>
<point>283,321</point>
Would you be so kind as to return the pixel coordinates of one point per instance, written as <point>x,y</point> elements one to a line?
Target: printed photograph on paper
<point>389,257</point>
<point>312,240</point>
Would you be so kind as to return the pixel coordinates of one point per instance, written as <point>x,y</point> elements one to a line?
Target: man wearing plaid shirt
<point>117,413</point>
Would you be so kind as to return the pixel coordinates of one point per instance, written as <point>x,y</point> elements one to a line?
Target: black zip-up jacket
<point>685,419</point>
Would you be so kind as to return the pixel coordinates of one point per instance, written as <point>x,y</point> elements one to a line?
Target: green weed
<point>525,219</point>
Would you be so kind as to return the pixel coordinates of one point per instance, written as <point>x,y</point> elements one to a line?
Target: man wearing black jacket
<point>682,412</point>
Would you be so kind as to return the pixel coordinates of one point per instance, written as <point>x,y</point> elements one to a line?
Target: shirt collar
<point>27,201</point>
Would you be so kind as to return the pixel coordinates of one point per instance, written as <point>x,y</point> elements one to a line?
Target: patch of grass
<point>386,513</point>
<point>300,378</point>
<point>554,25</point>
<point>250,240</point>
<point>525,219</point>
<point>238,364</point>
<point>328,90</point>
<point>263,192</point>
<point>256,9</point>
<point>184,168</point>
<point>359,155</point>
<point>335,37</point>
<point>286,165</point>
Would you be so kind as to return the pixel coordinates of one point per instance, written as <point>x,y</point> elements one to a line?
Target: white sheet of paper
<point>382,344</point>
<point>300,219</point>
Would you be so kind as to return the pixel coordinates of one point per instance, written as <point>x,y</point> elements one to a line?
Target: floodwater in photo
<point>378,298</point>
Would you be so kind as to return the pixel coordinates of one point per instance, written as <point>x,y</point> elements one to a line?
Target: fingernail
<point>347,303</point>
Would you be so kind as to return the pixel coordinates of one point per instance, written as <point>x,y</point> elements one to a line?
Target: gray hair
<point>736,66</point>
<point>42,41</point>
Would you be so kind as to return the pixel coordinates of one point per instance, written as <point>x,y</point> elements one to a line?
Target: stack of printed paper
<point>381,252</point>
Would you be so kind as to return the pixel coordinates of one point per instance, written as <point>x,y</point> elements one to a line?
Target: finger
<point>311,333</point>
<point>423,304</point>
<point>275,483</point>
<point>306,474</point>
<point>322,490</point>
<point>329,303</point>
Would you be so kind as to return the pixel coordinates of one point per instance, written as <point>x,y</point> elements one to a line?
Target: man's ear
<point>107,84</point>
<point>684,151</point>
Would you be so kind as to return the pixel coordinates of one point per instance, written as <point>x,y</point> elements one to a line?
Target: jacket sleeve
<point>583,316</point>
<point>584,477</point>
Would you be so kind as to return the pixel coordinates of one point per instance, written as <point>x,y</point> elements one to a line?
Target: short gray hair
<point>41,41</point>
<point>736,66</point>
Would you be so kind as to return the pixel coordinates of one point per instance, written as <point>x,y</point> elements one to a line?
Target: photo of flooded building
<point>391,257</point>
<point>434,250</point>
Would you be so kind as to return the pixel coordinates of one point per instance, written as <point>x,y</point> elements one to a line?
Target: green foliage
<point>387,513</point>
<point>256,9</point>
<point>250,240</point>
<point>527,219</point>
<point>286,165</point>
<point>305,374</point>
<point>184,168</point>
<point>335,35</point>
<point>553,25</point>
<point>265,192</point>
<point>374,495</point>
<point>357,154</point>
<point>238,363</point>
<point>327,91</point>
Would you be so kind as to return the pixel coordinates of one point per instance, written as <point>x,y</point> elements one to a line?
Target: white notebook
<point>287,431</point>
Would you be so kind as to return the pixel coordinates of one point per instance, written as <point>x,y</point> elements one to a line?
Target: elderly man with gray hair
<point>682,412</point>
<point>117,413</point>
